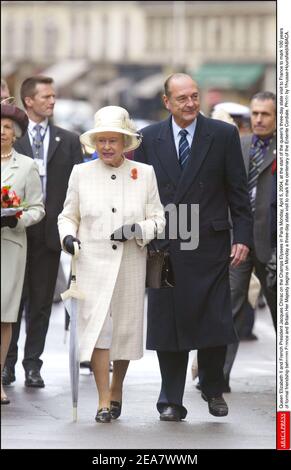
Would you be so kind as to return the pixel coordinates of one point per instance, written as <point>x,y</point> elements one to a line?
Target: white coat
<point>22,175</point>
<point>111,274</point>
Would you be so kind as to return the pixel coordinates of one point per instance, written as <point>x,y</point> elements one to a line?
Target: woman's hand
<point>126,232</point>
<point>9,221</point>
<point>68,243</point>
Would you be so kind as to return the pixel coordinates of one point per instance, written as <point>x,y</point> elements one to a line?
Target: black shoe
<point>33,379</point>
<point>115,409</point>
<point>170,413</point>
<point>198,386</point>
<point>250,337</point>
<point>8,375</point>
<point>5,401</point>
<point>86,365</point>
<point>226,388</point>
<point>103,415</point>
<point>217,405</point>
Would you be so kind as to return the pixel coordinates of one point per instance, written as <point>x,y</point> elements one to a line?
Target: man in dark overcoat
<point>203,166</point>
<point>259,154</point>
<point>56,151</point>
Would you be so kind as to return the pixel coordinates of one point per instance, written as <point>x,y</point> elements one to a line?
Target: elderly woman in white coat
<point>112,210</point>
<point>21,174</point>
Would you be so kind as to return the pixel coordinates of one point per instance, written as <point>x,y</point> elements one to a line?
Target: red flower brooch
<point>133,173</point>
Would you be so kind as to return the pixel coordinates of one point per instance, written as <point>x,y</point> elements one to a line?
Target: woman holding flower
<point>112,210</point>
<point>20,182</point>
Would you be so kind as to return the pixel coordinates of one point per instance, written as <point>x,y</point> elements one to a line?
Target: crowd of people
<point>113,206</point>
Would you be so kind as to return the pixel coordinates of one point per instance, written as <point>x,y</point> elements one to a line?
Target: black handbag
<point>159,271</point>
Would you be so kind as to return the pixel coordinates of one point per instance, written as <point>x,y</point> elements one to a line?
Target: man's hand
<point>239,254</point>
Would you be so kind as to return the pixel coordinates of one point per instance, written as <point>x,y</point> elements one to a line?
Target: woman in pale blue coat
<point>21,174</point>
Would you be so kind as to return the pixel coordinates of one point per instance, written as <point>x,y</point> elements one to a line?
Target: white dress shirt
<point>45,132</point>
<point>176,129</point>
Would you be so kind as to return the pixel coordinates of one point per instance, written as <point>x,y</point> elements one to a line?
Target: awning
<point>233,76</point>
<point>113,87</point>
<point>149,86</point>
<point>66,71</point>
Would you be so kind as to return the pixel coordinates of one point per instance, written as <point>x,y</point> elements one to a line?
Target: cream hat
<point>112,119</point>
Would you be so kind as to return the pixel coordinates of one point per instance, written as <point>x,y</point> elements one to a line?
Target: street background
<point>119,53</point>
<point>42,418</point>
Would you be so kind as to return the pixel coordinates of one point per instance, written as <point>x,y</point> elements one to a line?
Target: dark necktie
<point>37,144</point>
<point>256,160</point>
<point>184,149</point>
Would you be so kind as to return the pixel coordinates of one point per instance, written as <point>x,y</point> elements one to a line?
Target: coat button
<point>114,247</point>
<point>113,177</point>
<point>113,209</point>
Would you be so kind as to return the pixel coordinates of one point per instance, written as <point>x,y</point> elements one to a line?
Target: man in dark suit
<point>203,167</point>
<point>56,151</point>
<point>259,153</point>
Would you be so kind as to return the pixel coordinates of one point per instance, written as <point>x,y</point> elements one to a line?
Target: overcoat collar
<point>165,149</point>
<point>199,149</point>
<point>166,153</point>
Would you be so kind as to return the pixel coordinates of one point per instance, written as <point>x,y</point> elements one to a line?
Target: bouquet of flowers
<point>11,204</point>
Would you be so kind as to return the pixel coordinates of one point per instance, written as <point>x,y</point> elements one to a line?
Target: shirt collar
<point>32,124</point>
<point>266,141</point>
<point>190,128</point>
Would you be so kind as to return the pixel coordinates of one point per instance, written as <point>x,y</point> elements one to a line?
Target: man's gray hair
<point>265,95</point>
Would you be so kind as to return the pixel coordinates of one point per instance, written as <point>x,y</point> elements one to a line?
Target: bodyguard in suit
<point>55,151</point>
<point>201,166</point>
<point>259,153</point>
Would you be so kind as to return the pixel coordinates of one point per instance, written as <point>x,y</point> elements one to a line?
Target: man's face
<point>263,118</point>
<point>41,105</point>
<point>183,100</point>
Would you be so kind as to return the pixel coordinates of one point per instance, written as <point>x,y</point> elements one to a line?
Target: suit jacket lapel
<point>23,146</point>
<point>54,142</point>
<point>200,146</point>
<point>270,155</point>
<point>165,149</point>
<point>246,146</point>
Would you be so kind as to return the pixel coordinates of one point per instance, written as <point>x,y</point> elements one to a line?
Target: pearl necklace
<point>5,156</point>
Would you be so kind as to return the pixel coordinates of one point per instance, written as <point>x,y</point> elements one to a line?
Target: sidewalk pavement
<point>42,418</point>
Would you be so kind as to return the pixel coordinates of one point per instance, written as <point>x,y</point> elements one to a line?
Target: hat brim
<point>16,114</point>
<point>88,139</point>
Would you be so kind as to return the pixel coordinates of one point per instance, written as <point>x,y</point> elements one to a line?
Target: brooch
<point>133,173</point>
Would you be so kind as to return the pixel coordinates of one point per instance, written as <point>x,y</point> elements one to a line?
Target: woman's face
<point>109,146</point>
<point>7,133</point>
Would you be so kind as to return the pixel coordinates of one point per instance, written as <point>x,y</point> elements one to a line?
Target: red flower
<point>134,173</point>
<point>274,166</point>
<point>9,199</point>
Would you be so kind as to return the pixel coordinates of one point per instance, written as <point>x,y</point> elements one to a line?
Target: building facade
<point>88,44</point>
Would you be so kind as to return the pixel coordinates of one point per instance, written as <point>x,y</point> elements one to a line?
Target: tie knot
<point>183,132</point>
<point>38,128</point>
